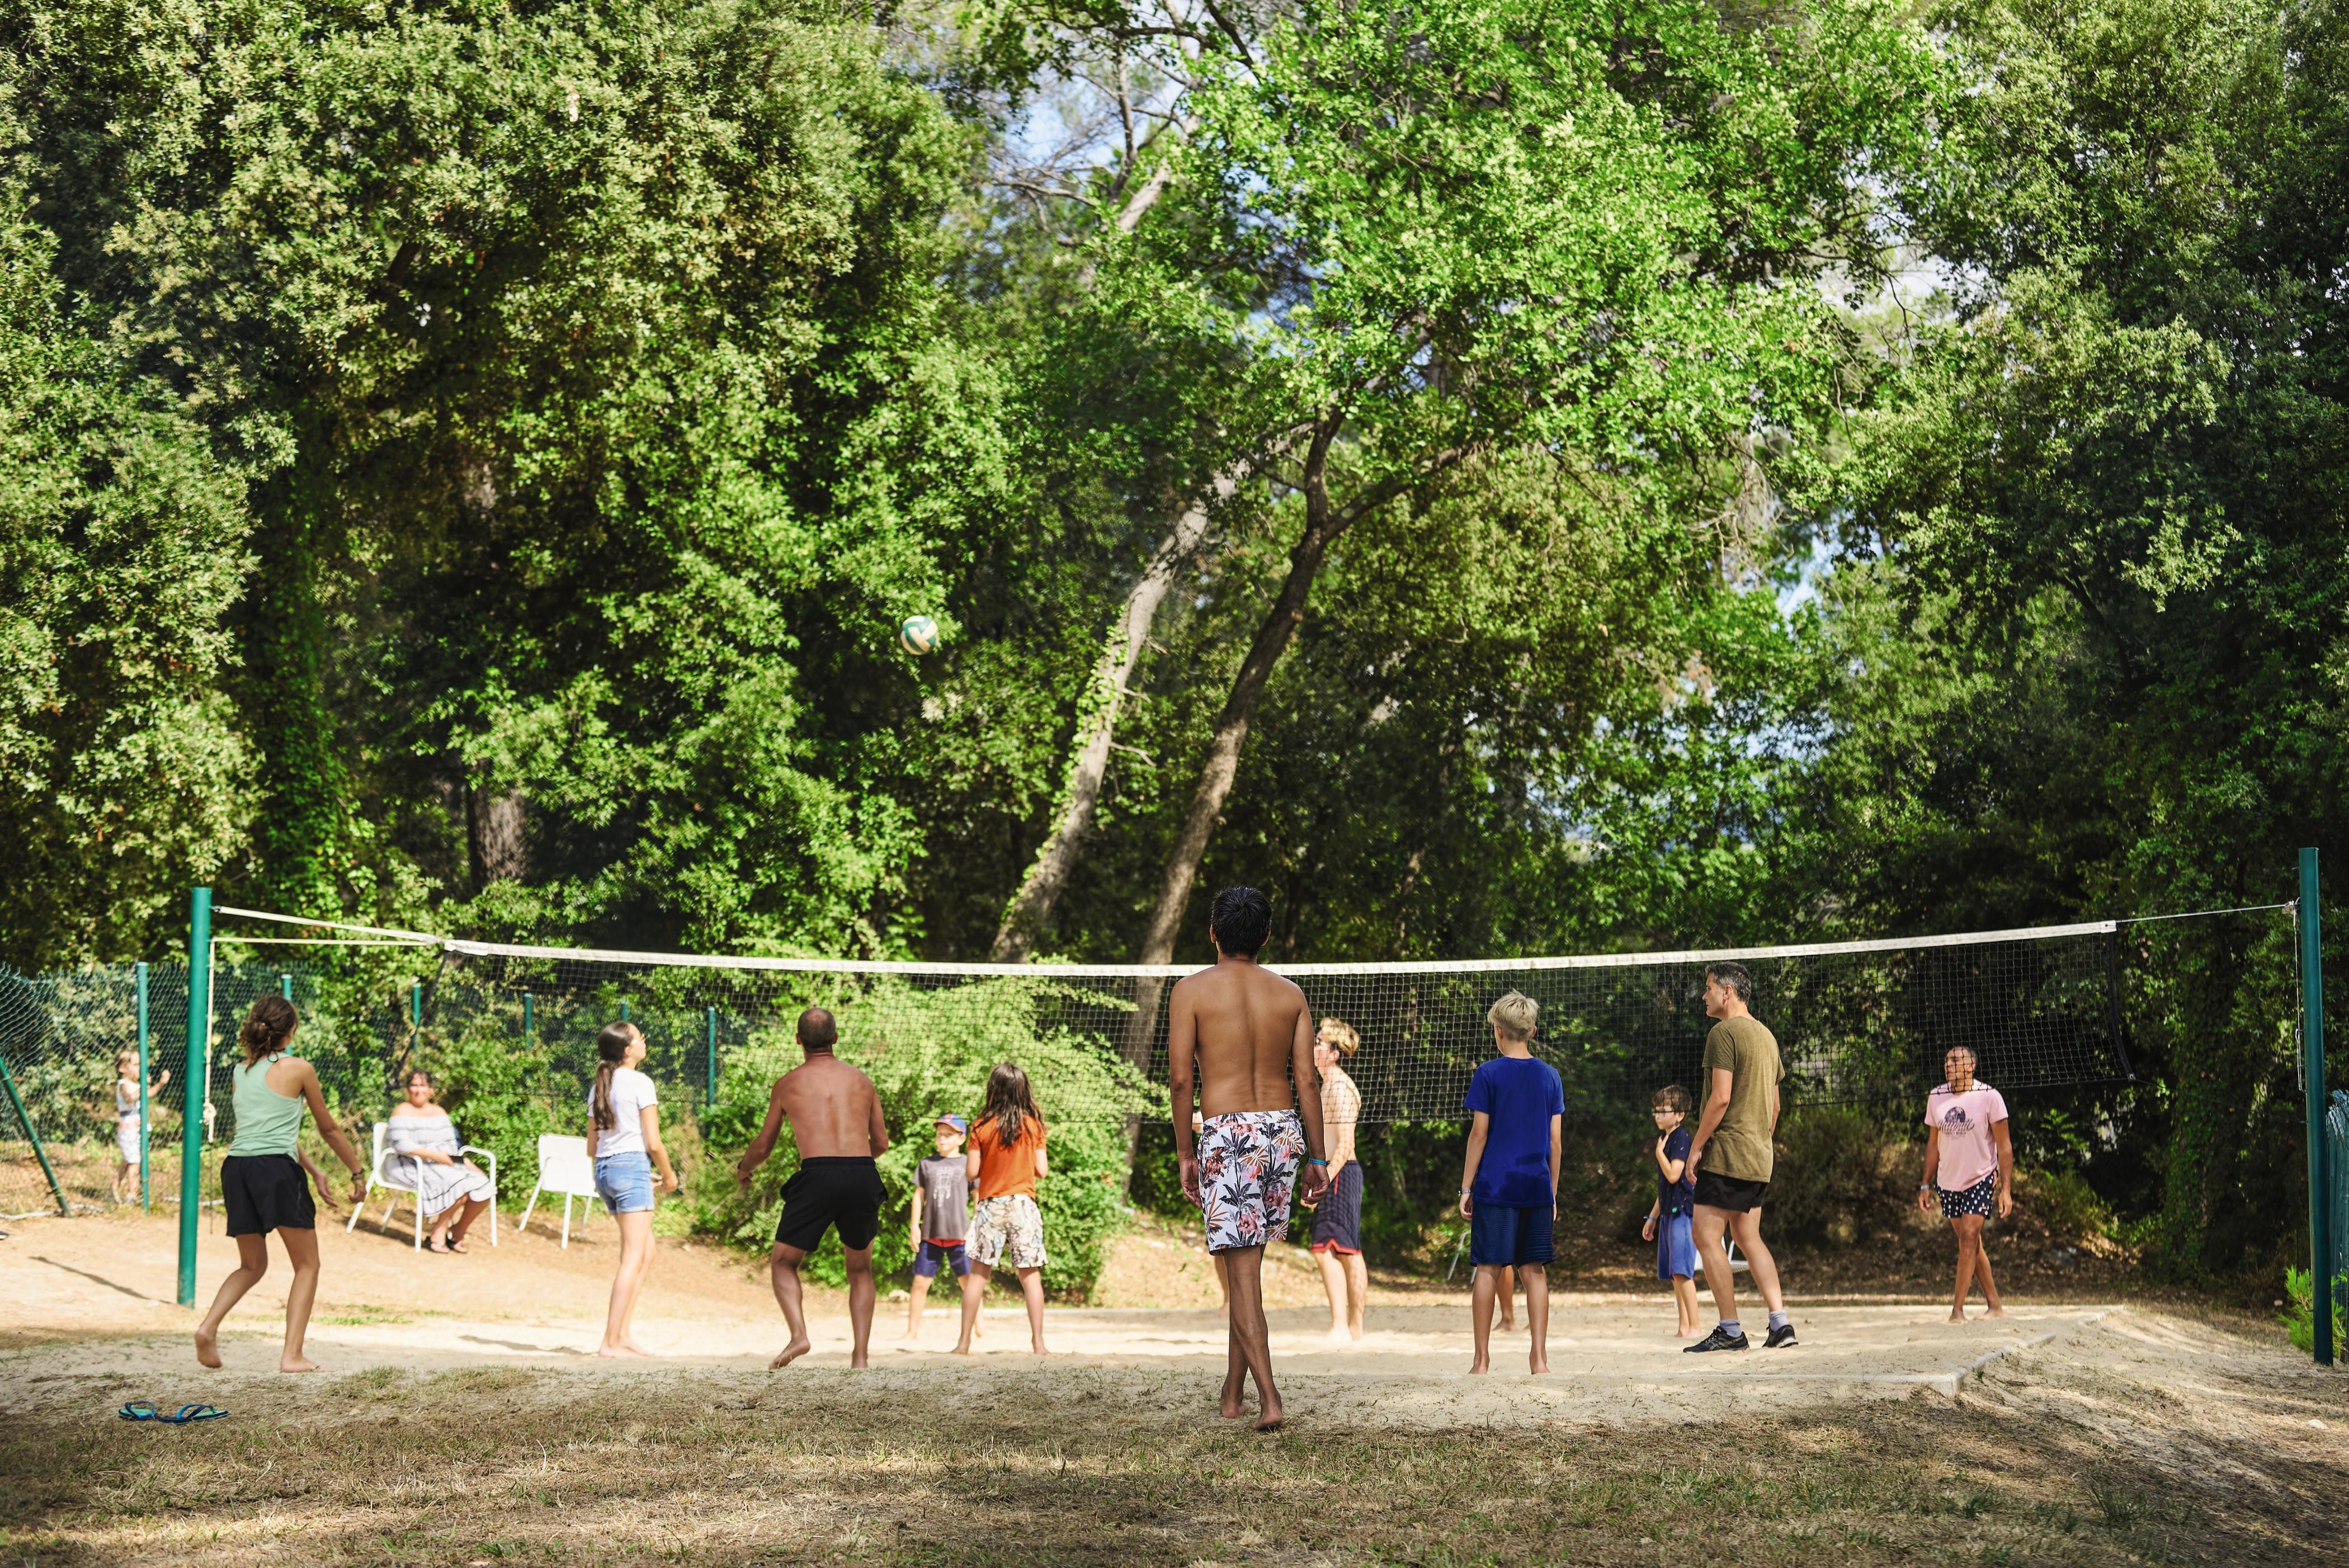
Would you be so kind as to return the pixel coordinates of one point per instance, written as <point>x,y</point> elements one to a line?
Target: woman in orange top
<point>1006,1155</point>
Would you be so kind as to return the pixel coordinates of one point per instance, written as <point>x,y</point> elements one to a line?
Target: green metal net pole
<point>33,1135</point>
<point>2320,1205</point>
<point>709,1096</point>
<point>146,1192</point>
<point>286,987</point>
<point>192,1121</point>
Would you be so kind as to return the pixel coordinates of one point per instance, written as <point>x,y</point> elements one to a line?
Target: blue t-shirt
<point>1676,1196</point>
<point>1520,1094</point>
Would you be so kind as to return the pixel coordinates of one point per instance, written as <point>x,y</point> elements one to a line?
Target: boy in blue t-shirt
<point>1508,1191</point>
<point>1667,1220</point>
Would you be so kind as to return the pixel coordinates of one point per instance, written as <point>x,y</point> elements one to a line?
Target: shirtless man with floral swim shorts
<point>1246,1036</point>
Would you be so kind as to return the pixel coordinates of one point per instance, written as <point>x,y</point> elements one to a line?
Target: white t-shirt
<point>1968,1154</point>
<point>631,1092</point>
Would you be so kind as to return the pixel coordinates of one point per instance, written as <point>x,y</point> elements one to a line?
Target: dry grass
<point>1095,1465</point>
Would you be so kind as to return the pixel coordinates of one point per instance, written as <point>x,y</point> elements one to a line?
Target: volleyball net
<point>1856,1021</point>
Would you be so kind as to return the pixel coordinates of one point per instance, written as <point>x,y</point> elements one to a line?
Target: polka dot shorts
<point>1978,1198</point>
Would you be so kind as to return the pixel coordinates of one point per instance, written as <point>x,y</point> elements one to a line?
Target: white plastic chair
<point>563,1167</point>
<point>397,1173</point>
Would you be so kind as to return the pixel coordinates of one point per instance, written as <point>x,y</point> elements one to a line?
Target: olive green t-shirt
<point>1740,1148</point>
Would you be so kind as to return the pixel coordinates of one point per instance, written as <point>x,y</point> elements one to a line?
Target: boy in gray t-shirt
<point>941,1216</point>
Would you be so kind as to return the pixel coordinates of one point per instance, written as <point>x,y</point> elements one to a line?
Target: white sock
<point>1778,1320</point>
<point>1729,1327</point>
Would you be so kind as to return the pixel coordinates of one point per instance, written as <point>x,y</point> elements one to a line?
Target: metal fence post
<point>286,987</point>
<point>709,1096</point>
<point>2319,1190</point>
<point>192,1122</point>
<point>525,1017</point>
<point>146,1194</point>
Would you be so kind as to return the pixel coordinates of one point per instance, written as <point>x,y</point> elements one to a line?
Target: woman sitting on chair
<point>419,1130</point>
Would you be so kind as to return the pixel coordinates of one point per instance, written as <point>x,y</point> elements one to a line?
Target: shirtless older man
<point>1248,1036</point>
<point>836,1121</point>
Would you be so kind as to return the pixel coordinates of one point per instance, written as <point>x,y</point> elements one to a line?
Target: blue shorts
<point>624,1182</point>
<point>930,1255</point>
<point>1675,1247</point>
<point>1503,1237</point>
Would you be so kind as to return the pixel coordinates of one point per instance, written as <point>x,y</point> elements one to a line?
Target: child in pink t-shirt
<point>1969,1166</point>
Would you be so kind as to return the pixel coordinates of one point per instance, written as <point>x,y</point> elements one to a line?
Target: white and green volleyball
<point>918,635</point>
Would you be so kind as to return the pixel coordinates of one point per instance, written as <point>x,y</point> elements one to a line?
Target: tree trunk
<point>1031,907</point>
<point>1272,639</point>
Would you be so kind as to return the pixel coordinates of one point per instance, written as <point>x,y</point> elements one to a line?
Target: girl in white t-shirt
<point>624,1142</point>
<point>1968,1168</point>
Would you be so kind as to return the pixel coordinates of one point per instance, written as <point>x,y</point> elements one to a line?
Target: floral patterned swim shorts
<point>1247,1169</point>
<point>1009,1229</point>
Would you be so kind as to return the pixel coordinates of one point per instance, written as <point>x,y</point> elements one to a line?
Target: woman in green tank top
<point>265,1177</point>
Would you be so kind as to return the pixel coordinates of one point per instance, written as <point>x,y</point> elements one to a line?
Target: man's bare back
<point>834,1107</point>
<point>1245,1026</point>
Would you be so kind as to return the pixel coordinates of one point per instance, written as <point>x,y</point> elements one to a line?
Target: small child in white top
<point>128,1122</point>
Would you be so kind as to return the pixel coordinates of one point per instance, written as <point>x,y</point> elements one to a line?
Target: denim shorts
<point>624,1182</point>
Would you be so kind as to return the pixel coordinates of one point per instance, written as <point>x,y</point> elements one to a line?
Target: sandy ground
<point>90,1301</point>
<point>461,1420</point>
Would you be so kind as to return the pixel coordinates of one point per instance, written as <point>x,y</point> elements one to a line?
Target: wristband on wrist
<point>1309,1160</point>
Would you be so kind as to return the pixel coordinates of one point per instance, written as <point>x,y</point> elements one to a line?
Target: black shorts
<point>841,1191</point>
<point>1338,1223</point>
<point>1714,1191</point>
<point>264,1192</point>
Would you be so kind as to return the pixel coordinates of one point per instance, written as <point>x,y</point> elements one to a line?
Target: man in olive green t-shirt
<point>1731,1155</point>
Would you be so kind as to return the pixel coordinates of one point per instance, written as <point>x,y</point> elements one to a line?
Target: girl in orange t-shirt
<point>1006,1155</point>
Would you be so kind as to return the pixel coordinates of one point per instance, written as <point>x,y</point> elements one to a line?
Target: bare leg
<point>1982,1273</point>
<point>627,1281</point>
<point>472,1211</point>
<point>974,1287</point>
<point>1705,1226</point>
<point>302,1251</point>
<point>1747,1229</point>
<point>1684,1297</point>
<point>1031,1287</point>
<point>920,1292</point>
<point>1536,1278</point>
<point>1358,1294</point>
<point>1507,1293</point>
<point>1485,1284</point>
<point>122,1169</point>
<point>1231,1403</point>
<point>252,1262</point>
<point>1223,1283</point>
<point>1253,1337</point>
<point>1333,1283</point>
<point>860,1303</point>
<point>783,1274</point>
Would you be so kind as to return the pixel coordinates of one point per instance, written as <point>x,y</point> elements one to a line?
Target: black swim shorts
<point>1714,1191</point>
<point>264,1192</point>
<point>841,1191</point>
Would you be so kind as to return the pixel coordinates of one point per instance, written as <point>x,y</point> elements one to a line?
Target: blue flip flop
<point>145,1411</point>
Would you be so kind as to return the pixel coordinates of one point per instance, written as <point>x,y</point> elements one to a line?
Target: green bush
<point>2064,1202</point>
<point>1841,1172</point>
<point>2299,1315</point>
<point>930,1053</point>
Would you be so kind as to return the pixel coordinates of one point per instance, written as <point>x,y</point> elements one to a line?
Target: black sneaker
<point>1718,1340</point>
<point>1781,1338</point>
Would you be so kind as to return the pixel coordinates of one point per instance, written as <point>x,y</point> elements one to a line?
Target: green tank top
<point>268,1122</point>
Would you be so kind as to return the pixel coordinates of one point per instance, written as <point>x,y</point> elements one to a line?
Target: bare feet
<point>1479,1366</point>
<point>1995,1311</point>
<point>296,1364</point>
<point>1269,1421</point>
<point>1958,1314</point>
<point>457,1244</point>
<point>1538,1363</point>
<point>857,1362</point>
<point>962,1349</point>
<point>1228,1405</point>
<point>631,1346</point>
<point>438,1244</point>
<point>788,1354</point>
<point>1337,1336</point>
<point>207,1348</point>
<point>623,1349</point>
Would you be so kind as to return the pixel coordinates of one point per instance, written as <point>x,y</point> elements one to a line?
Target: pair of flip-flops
<point>145,1411</point>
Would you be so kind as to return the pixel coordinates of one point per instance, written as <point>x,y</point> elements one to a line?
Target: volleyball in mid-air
<point>918,635</point>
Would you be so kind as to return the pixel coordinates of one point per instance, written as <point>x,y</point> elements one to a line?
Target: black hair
<point>1241,920</point>
<point>819,1030</point>
<point>1732,978</point>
